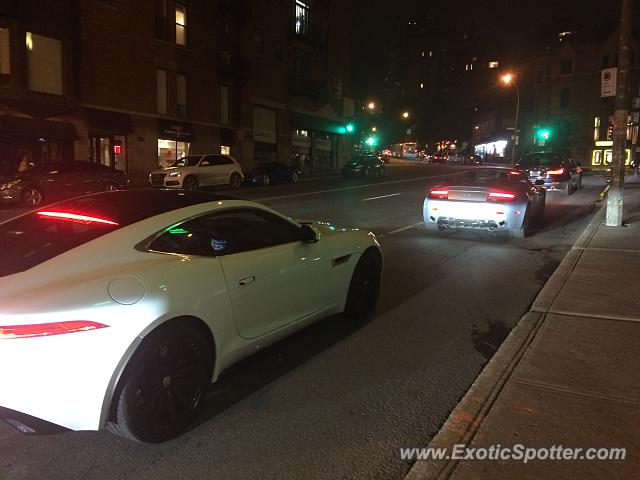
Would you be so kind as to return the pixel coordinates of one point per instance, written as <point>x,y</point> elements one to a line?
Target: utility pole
<point>615,197</point>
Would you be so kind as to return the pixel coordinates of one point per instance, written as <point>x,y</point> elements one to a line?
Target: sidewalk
<point>569,372</point>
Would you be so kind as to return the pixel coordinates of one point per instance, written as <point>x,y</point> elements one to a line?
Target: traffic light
<point>372,141</point>
<point>544,134</point>
<point>350,127</point>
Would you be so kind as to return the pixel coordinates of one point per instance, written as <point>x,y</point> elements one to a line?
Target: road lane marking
<point>408,227</point>
<point>317,192</point>
<point>381,196</point>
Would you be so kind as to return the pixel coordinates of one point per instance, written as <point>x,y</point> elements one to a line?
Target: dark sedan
<point>364,165</point>
<point>270,172</point>
<point>56,180</point>
<point>558,171</point>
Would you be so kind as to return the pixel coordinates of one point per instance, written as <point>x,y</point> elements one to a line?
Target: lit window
<point>493,64</point>
<point>181,24</point>
<point>5,62</point>
<point>181,94</point>
<point>430,53</point>
<point>422,54</point>
<point>44,63</point>
<point>161,90</point>
<point>422,85</point>
<point>225,150</point>
<point>302,18</point>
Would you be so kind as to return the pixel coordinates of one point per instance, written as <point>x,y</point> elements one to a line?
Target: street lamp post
<point>507,79</point>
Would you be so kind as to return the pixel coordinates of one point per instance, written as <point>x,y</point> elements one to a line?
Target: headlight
<point>174,174</point>
<point>11,184</point>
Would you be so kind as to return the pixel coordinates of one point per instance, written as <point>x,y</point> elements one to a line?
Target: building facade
<point>137,85</point>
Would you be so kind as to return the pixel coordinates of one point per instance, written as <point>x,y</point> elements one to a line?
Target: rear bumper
<point>473,215</point>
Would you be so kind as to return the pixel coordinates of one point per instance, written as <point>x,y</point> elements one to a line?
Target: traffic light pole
<point>615,197</point>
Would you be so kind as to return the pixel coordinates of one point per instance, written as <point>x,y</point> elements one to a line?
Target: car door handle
<point>246,280</point>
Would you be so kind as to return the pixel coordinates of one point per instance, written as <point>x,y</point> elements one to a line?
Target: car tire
<point>432,227</point>
<point>294,177</point>
<point>163,385</point>
<point>235,181</point>
<point>265,180</point>
<point>32,196</point>
<point>364,287</point>
<point>190,183</point>
<point>525,231</point>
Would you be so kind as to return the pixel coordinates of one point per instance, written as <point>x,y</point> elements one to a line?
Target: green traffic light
<point>372,141</point>
<point>350,127</point>
<point>544,134</point>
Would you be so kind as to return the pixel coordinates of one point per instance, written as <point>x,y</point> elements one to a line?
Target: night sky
<point>519,23</point>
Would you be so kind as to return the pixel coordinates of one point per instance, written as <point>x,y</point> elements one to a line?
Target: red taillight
<point>439,193</point>
<point>74,217</point>
<point>501,197</point>
<point>559,171</point>
<point>515,172</point>
<point>48,329</point>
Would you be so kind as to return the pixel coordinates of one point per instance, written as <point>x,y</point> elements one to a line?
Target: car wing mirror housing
<point>308,234</point>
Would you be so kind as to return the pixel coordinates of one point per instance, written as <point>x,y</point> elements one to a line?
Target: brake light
<point>501,197</point>
<point>48,329</point>
<point>515,172</point>
<point>439,193</point>
<point>559,171</point>
<point>74,217</point>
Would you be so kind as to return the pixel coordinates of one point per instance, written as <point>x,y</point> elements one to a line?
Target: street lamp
<point>405,114</point>
<point>371,105</point>
<point>508,80</point>
<point>374,129</point>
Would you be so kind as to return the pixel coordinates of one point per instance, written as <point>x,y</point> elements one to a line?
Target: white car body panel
<point>206,175</point>
<point>70,379</point>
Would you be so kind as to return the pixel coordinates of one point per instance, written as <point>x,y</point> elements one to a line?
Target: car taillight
<point>48,329</point>
<point>501,197</point>
<point>74,217</point>
<point>559,171</point>
<point>439,193</point>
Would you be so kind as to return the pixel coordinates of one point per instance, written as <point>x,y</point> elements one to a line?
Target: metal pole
<point>515,126</point>
<point>615,197</point>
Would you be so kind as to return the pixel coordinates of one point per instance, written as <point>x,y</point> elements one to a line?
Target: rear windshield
<point>41,235</point>
<point>540,159</point>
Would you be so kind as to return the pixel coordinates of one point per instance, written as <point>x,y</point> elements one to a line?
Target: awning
<point>104,122</point>
<point>309,122</point>
<point>172,130</point>
<point>36,128</point>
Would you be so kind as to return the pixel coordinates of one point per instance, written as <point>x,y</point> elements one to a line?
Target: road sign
<point>608,82</point>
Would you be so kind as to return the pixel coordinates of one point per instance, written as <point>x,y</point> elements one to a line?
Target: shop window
<point>169,151</point>
<point>494,64</point>
<point>44,63</point>
<point>181,94</point>
<point>5,59</point>
<point>596,129</point>
<point>161,90</point>
<point>302,25</point>
<point>181,24</point>
<point>225,150</point>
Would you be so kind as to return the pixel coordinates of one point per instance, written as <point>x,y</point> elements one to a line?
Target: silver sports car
<point>495,199</point>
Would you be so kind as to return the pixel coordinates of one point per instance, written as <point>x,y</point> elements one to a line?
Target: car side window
<point>227,232</point>
<point>221,160</point>
<point>208,161</point>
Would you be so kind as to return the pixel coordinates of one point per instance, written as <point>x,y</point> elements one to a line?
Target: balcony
<point>233,67</point>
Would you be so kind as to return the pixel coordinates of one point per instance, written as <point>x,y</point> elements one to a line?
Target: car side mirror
<point>540,181</point>
<point>308,234</point>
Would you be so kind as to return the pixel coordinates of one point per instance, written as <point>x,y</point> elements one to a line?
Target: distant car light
<point>559,171</point>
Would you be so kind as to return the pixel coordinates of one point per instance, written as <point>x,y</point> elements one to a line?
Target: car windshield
<point>190,161</point>
<point>540,159</point>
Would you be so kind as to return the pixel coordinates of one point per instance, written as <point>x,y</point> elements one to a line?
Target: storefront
<point>318,153</point>
<point>491,150</point>
<point>300,148</point>
<point>37,140</point>
<point>174,141</point>
<point>108,137</point>
<point>265,134</point>
<point>602,155</point>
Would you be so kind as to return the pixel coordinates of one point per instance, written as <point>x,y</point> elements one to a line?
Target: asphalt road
<point>338,400</point>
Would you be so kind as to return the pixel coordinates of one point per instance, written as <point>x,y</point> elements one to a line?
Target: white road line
<point>381,196</point>
<point>405,228</point>
<point>317,192</point>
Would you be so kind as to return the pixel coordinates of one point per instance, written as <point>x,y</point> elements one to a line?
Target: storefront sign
<point>171,130</point>
<point>608,82</point>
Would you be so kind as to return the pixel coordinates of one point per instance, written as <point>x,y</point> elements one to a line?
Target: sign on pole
<point>608,82</point>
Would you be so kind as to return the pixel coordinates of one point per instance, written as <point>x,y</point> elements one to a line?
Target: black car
<point>269,172</point>
<point>364,165</point>
<point>557,170</point>
<point>58,180</point>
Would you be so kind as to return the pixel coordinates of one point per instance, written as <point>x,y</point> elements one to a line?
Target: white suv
<point>195,171</point>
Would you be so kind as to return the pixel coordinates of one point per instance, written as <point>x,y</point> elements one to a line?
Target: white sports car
<point>118,308</point>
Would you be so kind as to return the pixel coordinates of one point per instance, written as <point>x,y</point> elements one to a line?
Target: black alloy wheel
<point>32,196</point>
<point>365,285</point>
<point>190,183</point>
<point>235,182</point>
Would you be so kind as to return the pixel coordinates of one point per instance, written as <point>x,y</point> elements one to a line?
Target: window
<point>421,85</point>
<point>227,232</point>
<point>44,63</point>
<point>493,64</point>
<point>181,24</point>
<point>162,21</point>
<point>161,90</point>
<point>5,59</point>
<point>564,98</point>
<point>566,66</point>
<point>181,94</point>
<point>596,129</point>
<point>302,26</point>
<point>225,150</point>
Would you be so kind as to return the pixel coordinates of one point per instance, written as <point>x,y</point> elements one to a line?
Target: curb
<point>468,415</point>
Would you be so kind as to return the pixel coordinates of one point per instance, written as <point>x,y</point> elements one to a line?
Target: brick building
<point>137,84</point>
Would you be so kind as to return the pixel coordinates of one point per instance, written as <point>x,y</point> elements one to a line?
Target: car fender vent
<point>341,260</point>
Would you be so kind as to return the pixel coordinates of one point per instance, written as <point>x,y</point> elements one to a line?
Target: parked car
<point>117,309</point>
<point>557,170</point>
<point>494,199</point>
<point>267,173</point>
<point>195,171</point>
<point>364,165</point>
<point>57,180</point>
